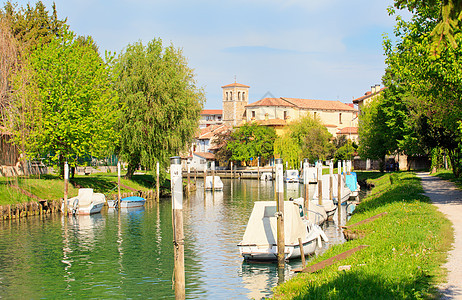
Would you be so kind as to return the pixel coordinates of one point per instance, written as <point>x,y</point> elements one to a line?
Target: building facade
<point>235,98</point>
<point>211,117</point>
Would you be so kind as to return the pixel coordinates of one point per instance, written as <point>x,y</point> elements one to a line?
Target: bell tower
<point>235,98</point>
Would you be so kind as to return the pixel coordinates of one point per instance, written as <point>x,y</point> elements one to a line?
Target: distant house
<point>211,117</point>
<point>362,101</point>
<point>351,133</point>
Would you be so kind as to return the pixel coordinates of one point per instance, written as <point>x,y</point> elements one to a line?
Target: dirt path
<point>448,199</point>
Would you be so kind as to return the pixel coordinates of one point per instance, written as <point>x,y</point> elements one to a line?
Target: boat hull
<point>128,202</point>
<point>258,253</point>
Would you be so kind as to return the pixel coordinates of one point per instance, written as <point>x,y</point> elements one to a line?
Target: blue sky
<point>316,49</point>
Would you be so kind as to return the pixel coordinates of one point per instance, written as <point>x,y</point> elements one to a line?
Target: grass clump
<point>406,249</point>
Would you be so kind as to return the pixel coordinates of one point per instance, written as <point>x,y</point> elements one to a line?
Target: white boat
<point>127,202</point>
<point>325,190</point>
<point>266,176</point>
<point>260,238</point>
<point>86,203</point>
<point>213,182</point>
<point>291,176</point>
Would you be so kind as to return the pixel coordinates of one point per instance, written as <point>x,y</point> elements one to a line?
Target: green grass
<point>448,175</point>
<point>51,187</point>
<point>406,249</point>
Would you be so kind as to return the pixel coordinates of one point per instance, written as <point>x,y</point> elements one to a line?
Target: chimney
<point>375,88</point>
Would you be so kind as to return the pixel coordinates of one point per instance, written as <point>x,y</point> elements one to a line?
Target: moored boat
<point>128,202</point>
<point>213,183</point>
<point>291,176</point>
<point>259,240</point>
<point>86,203</point>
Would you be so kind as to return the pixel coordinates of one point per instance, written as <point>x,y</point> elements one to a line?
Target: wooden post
<point>157,182</point>
<point>339,193</point>
<point>189,177</point>
<point>280,212</point>
<point>118,184</point>
<point>66,187</point>
<point>319,183</point>
<point>232,170</point>
<point>344,170</point>
<point>212,166</point>
<point>306,182</point>
<point>258,168</point>
<point>302,252</point>
<point>178,237</point>
<point>331,180</point>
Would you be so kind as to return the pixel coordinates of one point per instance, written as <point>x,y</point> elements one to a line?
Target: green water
<point>130,254</point>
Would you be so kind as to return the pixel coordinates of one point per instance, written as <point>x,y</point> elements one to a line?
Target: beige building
<point>368,97</point>
<point>335,115</point>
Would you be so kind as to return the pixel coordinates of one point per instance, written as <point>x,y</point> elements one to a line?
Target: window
<point>243,95</point>
<point>226,95</point>
<point>231,96</point>
<point>285,115</point>
<point>340,118</point>
<point>314,115</point>
<point>238,95</point>
<point>253,114</point>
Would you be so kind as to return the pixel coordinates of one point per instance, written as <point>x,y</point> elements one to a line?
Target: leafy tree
<point>65,105</point>
<point>429,85</point>
<point>223,154</point>
<point>345,152</point>
<point>161,104</point>
<point>287,148</point>
<point>312,137</point>
<point>251,141</point>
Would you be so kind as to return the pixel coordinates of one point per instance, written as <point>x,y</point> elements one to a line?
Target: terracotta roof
<point>330,125</point>
<point>320,104</point>
<point>367,95</point>
<point>348,130</point>
<point>271,102</point>
<point>208,132</point>
<point>206,155</point>
<point>303,104</point>
<point>235,85</point>
<point>212,112</point>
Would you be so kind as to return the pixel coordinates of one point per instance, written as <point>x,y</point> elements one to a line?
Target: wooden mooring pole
<point>157,182</point>
<point>189,178</point>
<point>280,212</point>
<point>306,182</point>
<point>331,180</point>
<point>66,187</point>
<point>319,183</point>
<point>118,184</point>
<point>178,236</point>
<point>339,193</point>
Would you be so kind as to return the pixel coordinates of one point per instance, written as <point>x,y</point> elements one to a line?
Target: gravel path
<point>448,199</point>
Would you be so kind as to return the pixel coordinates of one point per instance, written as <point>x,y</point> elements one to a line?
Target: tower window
<point>340,118</point>
<point>285,115</point>
<point>243,95</point>
<point>226,96</point>
<point>230,95</point>
<point>238,95</point>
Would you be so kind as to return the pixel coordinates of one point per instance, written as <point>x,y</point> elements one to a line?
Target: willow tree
<point>65,106</point>
<point>161,104</point>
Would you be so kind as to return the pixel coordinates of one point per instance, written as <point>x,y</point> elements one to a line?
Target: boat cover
<point>262,229</point>
<point>352,181</point>
<point>85,197</point>
<point>326,186</point>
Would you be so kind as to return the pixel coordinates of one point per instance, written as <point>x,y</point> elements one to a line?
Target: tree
<point>312,137</point>
<point>429,85</point>
<point>65,106</point>
<point>161,104</point>
<point>287,148</point>
<point>251,141</point>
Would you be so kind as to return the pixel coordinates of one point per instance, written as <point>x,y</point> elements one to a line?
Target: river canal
<point>130,255</point>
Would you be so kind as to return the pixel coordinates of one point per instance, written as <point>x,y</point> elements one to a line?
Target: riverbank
<point>407,248</point>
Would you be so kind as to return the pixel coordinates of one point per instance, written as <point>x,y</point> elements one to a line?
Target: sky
<point>313,49</point>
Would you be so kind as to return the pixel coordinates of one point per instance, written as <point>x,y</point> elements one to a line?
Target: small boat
<point>291,176</point>
<point>316,213</point>
<point>260,238</point>
<point>128,202</point>
<point>266,176</point>
<point>86,203</point>
<point>213,183</point>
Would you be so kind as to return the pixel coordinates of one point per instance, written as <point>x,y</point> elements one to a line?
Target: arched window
<point>231,96</point>
<point>243,96</point>
<point>226,96</point>
<point>238,95</point>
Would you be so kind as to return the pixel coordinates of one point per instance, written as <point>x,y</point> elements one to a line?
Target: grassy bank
<point>51,187</point>
<point>406,249</point>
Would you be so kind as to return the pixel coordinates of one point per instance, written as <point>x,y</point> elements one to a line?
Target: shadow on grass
<point>362,285</point>
<point>101,184</point>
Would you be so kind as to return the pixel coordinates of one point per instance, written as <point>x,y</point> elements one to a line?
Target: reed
<point>407,248</point>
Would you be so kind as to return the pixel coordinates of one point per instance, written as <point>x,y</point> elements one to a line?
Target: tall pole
<point>118,184</point>
<point>258,168</point>
<point>319,183</point>
<point>66,187</point>
<point>339,192</point>
<point>178,237</point>
<point>331,180</point>
<point>306,182</point>
<point>280,212</point>
<point>212,166</point>
<point>189,177</point>
<point>157,182</point>
<point>232,170</point>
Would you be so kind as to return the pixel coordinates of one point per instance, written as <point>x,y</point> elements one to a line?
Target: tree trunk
<point>130,171</point>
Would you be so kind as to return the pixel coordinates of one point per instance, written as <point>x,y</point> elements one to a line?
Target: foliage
<point>288,149</point>
<point>345,152</point>
<point>312,137</point>
<point>251,141</point>
<point>161,104</point>
<point>65,106</point>
<point>429,85</point>
<point>407,248</point>
<point>223,154</point>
